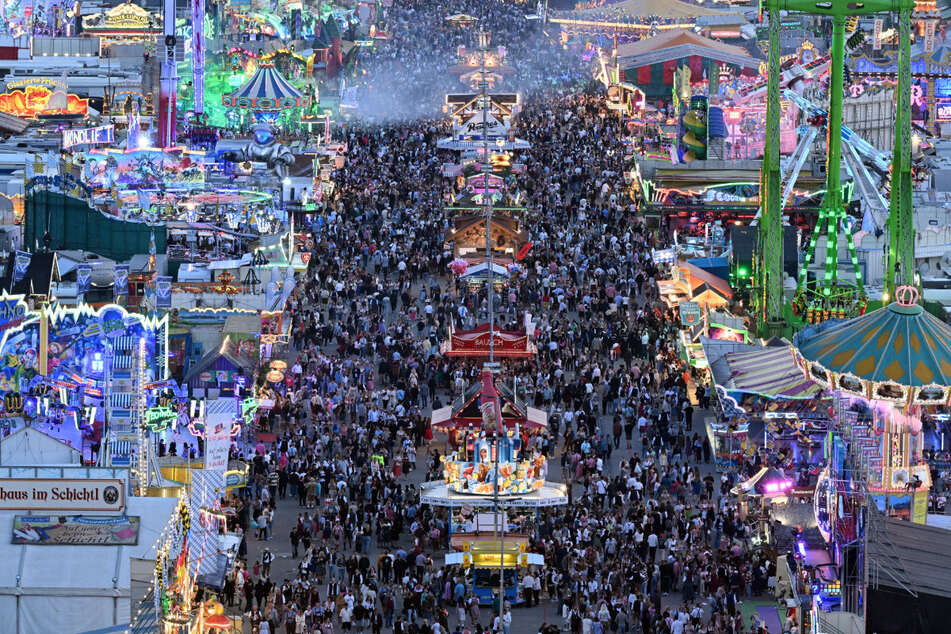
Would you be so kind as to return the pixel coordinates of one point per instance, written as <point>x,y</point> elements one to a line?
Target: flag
<point>120,280</point>
<point>163,291</point>
<point>83,278</point>
<point>21,262</point>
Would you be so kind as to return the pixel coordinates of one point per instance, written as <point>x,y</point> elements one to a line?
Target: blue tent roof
<point>267,82</point>
<point>898,343</point>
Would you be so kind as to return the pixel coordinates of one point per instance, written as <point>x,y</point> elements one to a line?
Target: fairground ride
<point>832,294</point>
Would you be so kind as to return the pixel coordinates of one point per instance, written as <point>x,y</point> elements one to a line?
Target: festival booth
<point>78,544</point>
<point>761,389</point>
<point>697,324</point>
<point>649,63</point>
<point>73,570</point>
<point>220,369</point>
<point>465,414</point>
<point>469,236</point>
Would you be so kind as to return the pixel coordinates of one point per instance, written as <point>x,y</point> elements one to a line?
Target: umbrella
<point>275,376</point>
<point>277,364</point>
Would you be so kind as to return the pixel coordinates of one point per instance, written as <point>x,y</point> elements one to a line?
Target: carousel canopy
<point>465,410</point>
<point>267,90</point>
<point>899,352</point>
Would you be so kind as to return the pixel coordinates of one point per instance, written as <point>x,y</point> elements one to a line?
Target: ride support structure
<point>830,295</point>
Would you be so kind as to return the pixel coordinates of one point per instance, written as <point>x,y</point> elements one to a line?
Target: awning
<point>771,372</point>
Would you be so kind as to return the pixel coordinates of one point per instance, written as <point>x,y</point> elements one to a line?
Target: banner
<point>48,494</point>
<point>21,262</point>
<point>83,278</point>
<point>217,445</point>
<point>163,291</point>
<point>120,280</point>
<point>75,530</point>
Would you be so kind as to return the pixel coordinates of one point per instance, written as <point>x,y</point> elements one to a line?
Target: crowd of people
<point>650,541</point>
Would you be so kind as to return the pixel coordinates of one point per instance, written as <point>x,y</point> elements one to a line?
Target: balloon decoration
<point>459,266</point>
<point>524,251</point>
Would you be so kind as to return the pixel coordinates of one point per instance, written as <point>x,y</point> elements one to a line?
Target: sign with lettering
<point>12,311</point>
<point>103,134</point>
<point>75,530</point>
<point>40,494</point>
<point>689,313</point>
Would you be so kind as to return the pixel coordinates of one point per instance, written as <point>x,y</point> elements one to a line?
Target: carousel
<point>488,428</point>
<point>266,95</point>
<point>887,367</point>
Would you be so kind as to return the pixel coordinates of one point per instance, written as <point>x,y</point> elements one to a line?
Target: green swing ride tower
<point>830,295</point>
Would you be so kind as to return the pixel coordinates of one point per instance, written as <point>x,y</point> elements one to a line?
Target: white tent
<point>72,589</point>
<point>31,447</point>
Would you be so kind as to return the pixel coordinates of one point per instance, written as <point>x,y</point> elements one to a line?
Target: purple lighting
<point>778,487</point>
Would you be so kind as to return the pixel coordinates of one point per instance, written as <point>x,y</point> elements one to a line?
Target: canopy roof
<point>644,8</point>
<point>475,343</point>
<point>267,82</point>
<point>773,372</point>
<point>679,43</point>
<point>900,344</point>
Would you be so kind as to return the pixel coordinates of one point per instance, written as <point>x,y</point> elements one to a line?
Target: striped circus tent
<point>773,372</point>
<point>266,91</point>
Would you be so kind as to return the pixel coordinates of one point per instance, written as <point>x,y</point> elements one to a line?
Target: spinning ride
<point>893,361</point>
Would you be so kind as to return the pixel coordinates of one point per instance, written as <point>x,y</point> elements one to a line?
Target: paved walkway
<point>526,620</point>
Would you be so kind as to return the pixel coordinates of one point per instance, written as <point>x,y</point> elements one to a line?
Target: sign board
<point>32,101</point>
<point>103,134</point>
<point>75,530</point>
<point>42,494</point>
<point>877,34</point>
<point>217,444</point>
<point>929,35</point>
<point>943,111</point>
<point>689,313</point>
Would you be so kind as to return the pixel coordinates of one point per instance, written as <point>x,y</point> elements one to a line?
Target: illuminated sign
<point>123,17</point>
<point>104,134</point>
<point>147,167</point>
<point>943,110</point>
<point>26,82</point>
<point>33,101</point>
<point>12,311</point>
<point>159,418</point>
